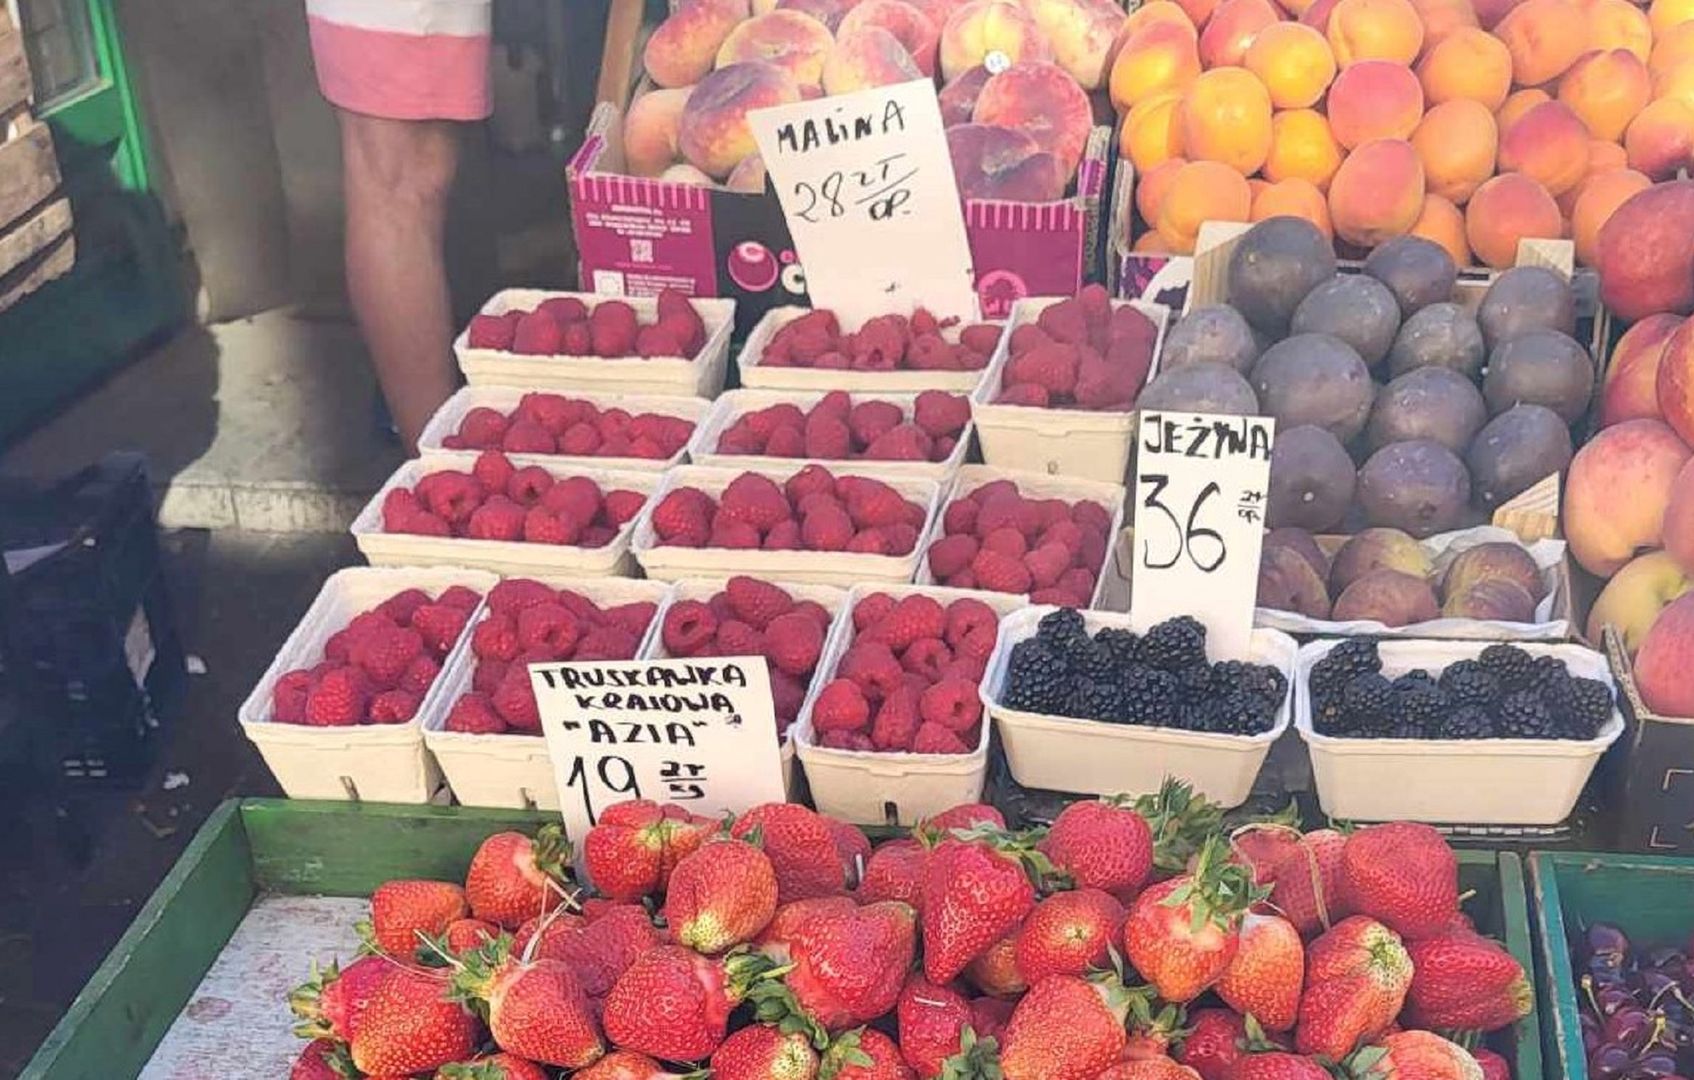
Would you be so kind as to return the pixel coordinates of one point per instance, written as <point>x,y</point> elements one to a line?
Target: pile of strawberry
<point>813,510</point>
<point>908,683</point>
<point>885,343</point>
<point>546,423</point>
<point>837,428</point>
<point>565,326</point>
<point>497,500</point>
<point>749,617</point>
<point>528,622</point>
<point>377,668</point>
<point>792,950</point>
<point>1080,353</point>
<point>1000,540</point>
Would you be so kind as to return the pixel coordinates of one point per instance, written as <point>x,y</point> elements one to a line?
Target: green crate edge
<point>1515,928</point>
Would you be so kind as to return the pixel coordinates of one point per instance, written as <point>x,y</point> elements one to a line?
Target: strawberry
<point>1181,934</point>
<point>1276,1065</point>
<point>1494,1067</point>
<point>852,847</point>
<point>545,936</point>
<point>1068,934</point>
<point>322,1059</point>
<point>1463,981</point>
<point>674,1004</point>
<point>864,1054</point>
<point>974,892</point>
<point>513,878</point>
<point>1415,1055</point>
<point>1307,889</point>
<point>1065,1028</point>
<point>631,851</point>
<point>794,643</point>
<point>774,940</point>
<point>848,964</point>
<point>995,969</point>
<point>1357,976</point>
<point>720,896</point>
<point>1403,874</point>
<point>465,935</point>
<point>800,847</point>
<point>403,910</point>
<point>931,1020</point>
<point>410,1025</point>
<point>1265,977</point>
<point>494,1067</point>
<point>1153,1068</point>
<point>627,1065</point>
<point>535,1008</point>
<point>895,872</point>
<point>1103,845</point>
<point>330,1003</point>
<point>1213,1042</point>
<point>762,1052</point>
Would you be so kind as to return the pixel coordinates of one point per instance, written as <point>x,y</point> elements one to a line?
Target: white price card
<point>866,183</point>
<point>1201,486</point>
<point>698,733</point>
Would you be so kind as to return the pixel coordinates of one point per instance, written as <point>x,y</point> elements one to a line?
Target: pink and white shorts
<point>403,59</point>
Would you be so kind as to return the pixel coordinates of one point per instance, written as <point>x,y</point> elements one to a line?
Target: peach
<point>1660,140</point>
<point>1598,199</point>
<point>1490,12</point>
<point>1199,12</point>
<point>1444,18</point>
<point>1232,28</point>
<point>909,25</point>
<point>1317,15</point>
<point>1631,390</point>
<point>1081,34</point>
<point>1456,143</point>
<point>1375,30</point>
<point>985,27</point>
<point>1003,163</point>
<point>1201,191</point>
<point>1671,49</point>
<point>1509,208</point>
<point>1294,63</point>
<point>1257,187</point>
<point>1302,148</point>
<point>1544,37</point>
<point>1605,89</point>
<point>1374,99</point>
<point>1548,144</point>
<point>866,58</point>
<point>650,130</point>
<point>1646,263</point>
<point>1226,116</point>
<point>1152,242</point>
<point>1152,185</point>
<point>1377,194</point>
<point>748,177</point>
<point>958,98</point>
<point>1679,520</point>
<point>714,135</point>
<point>1674,381</point>
<point>1518,103</point>
<point>1443,223</point>
<point>1605,156</point>
<point>1293,198</point>
<point>684,47</point>
<point>1632,601</point>
<point>1159,58</point>
<point>828,12</point>
<point>1469,63</point>
<point>1665,14</point>
<point>1664,660</point>
<point>939,11</point>
<point>1618,24</point>
<point>1676,82</point>
<point>791,40</point>
<point>1152,132</point>
<point>1616,493</point>
<point>1159,12</point>
<point>684,173</point>
<point>1042,100</point>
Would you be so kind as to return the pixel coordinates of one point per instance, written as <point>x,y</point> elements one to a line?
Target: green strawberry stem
<point>1181,820</point>
<point>552,851</point>
<point>472,981</point>
<point>977,1059</point>
<point>775,1004</point>
<point>1217,890</point>
<point>743,969</point>
<point>843,1053</point>
<point>1169,1022</point>
<point>1021,846</point>
<point>304,1001</point>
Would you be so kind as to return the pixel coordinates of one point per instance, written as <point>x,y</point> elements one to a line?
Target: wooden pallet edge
<point>34,233</point>
<point>44,266</point>
<point>29,171</point>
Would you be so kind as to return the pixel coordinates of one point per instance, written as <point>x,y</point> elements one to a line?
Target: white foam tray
<point>757,376</point>
<point>1092,757</point>
<point>509,557</point>
<point>701,376</point>
<point>505,399</point>
<point>368,762</point>
<point>1451,781</point>
<point>1084,443</point>
<point>671,563</point>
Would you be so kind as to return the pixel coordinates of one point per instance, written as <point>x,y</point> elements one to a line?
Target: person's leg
<point>397,175</point>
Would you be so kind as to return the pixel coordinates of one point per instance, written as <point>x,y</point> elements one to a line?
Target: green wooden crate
<point>1500,908</point>
<point>1650,897</point>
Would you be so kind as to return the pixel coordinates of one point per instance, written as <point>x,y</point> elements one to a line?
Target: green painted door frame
<point>125,291</point>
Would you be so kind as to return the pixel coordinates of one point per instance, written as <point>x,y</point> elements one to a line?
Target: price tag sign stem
<point>1201,485</point>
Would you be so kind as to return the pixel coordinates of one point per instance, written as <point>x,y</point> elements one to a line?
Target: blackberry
<point>1368,700</point>
<point>1173,644</point>
<point>1510,664</point>
<point>1590,707</point>
<point>1091,700</point>
<point>1261,680</point>
<point>1149,696</point>
<point>1355,656</point>
<point>1119,644</point>
<point>1407,729</point>
<point>1467,682</point>
<point>1551,679</point>
<point>1064,630</point>
<point>1233,713</point>
<point>1037,678</point>
<point>1524,714</point>
<point>1196,681</point>
<point>1465,722</point>
<point>1418,698</point>
<point>1093,662</point>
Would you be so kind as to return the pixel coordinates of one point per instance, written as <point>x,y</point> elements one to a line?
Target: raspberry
<point>473,714</point>
<point>512,595</point>
<point>536,335</point>
<point>385,654</point>
<point>972,628</point>
<point>764,422</point>
<point>1007,541</point>
<point>586,610</point>
<point>1080,582</point>
<point>847,740</point>
<point>288,697</point>
<point>607,642</point>
<point>1091,551</point>
<point>960,518</point>
<point>540,527</point>
<point>827,437</point>
<point>952,703</point>
<point>339,699</point>
<point>929,352</point>
<point>871,503</point>
<point>980,338</point>
<point>555,412</point>
<point>580,440</point>
<point>399,507</point>
<point>527,437</point>
<point>337,646</point>
<point>1053,368</point>
<point>736,638</point>
<point>688,627</point>
<point>914,617</point>
<point>683,517</point>
<point>811,480</point>
<point>450,495</point>
<point>514,700</point>
<point>623,506</point>
<point>575,497</point>
<point>612,326</point>
<point>1055,596</point>
<point>486,678</point>
<point>632,617</point>
<point>786,442</point>
<point>816,612</point>
<point>871,419</point>
<point>676,310</point>
<point>998,572</point>
<point>492,331</point>
<point>940,413</point>
<point>440,624</point>
<point>563,310</point>
<point>827,528</point>
<point>793,642</point>
<point>871,610</point>
<point>420,674</point>
<point>648,449</point>
<point>576,340</point>
<point>756,603</point>
<point>926,658</point>
<point>394,707</point>
<point>1027,394</point>
<point>756,500</point>
<point>787,695</point>
<point>1046,564</point>
<point>1091,515</point>
<point>548,626</point>
<point>497,519</point>
<point>872,666</point>
<point>950,554</point>
<point>868,542</point>
<point>1064,321</point>
<point>732,534</point>
<point>964,579</point>
<point>840,706</point>
<point>896,722</point>
<point>784,536</point>
<point>933,738</point>
<point>905,442</point>
<point>657,341</point>
<point>400,606</point>
<point>528,485</point>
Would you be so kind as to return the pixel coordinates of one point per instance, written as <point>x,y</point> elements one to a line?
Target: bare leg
<point>397,175</point>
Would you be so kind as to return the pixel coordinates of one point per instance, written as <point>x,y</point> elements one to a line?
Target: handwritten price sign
<point>867,186</point>
<point>1200,492</point>
<point>700,733</point>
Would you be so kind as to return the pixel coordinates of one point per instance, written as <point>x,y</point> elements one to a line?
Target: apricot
<point>1166,12</point>
<point>1374,99</point>
<point>1151,242</point>
<point>1618,24</point>
<point>1152,132</point>
<point>1506,209</point>
<point>1294,63</point>
<point>1456,143</point>
<point>1664,14</point>
<point>1677,82</point>
<point>1160,57</point>
<point>1520,102</point>
<point>1671,49</point>
<point>1201,191</point>
<point>1293,198</point>
<point>1605,89</point>
<point>1598,197</point>
<point>1549,144</point>
<point>1377,194</point>
<point>1302,148</point>
<point>1152,185</point>
<point>1469,63</point>
<point>1226,116</point>
<point>1443,18</point>
<point>1660,140</point>
<point>1605,156</point>
<point>1443,223</point>
<point>1375,30</point>
<point>1232,28</point>
<point>1544,37</point>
